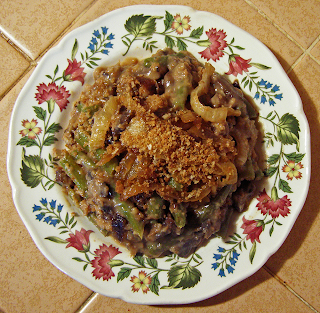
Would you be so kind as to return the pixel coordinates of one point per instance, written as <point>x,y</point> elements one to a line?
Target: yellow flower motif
<point>180,24</point>
<point>142,281</point>
<point>30,129</point>
<point>292,169</point>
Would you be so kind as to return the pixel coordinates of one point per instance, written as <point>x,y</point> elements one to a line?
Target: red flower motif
<point>80,240</point>
<point>273,207</point>
<point>252,229</point>
<point>52,92</point>
<point>101,262</point>
<point>74,71</point>
<point>238,65</point>
<point>217,45</point>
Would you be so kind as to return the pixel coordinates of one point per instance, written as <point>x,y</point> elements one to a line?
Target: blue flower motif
<point>110,37</point>
<point>221,273</point>
<point>94,41</point>
<point>97,33</point>
<point>235,254</point>
<point>268,85</point>
<point>215,265</point>
<point>233,261</point>
<point>44,202</point>
<point>104,30</point>
<point>48,219</point>
<point>105,51</point>
<point>220,249</point>
<point>108,45</point>
<point>263,99</point>
<point>40,216</point>
<point>275,88</point>
<point>271,102</point>
<point>262,82</point>
<point>53,204</point>
<point>279,96</point>
<point>230,269</point>
<point>36,208</point>
<point>60,206</point>
<point>217,256</point>
<point>91,47</point>
<point>54,222</point>
<point>257,95</point>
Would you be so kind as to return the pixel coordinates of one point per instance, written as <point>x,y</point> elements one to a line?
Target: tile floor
<point>289,281</point>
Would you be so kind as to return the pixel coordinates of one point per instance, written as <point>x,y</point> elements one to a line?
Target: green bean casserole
<point>159,152</point>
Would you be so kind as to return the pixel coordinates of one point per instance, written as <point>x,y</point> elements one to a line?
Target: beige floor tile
<point>28,282</point>
<point>299,18</point>
<point>258,293</point>
<point>298,260</point>
<point>13,64</point>
<point>33,25</point>
<point>315,51</point>
<point>247,18</point>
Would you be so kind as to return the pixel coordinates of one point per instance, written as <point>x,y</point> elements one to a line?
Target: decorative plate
<point>70,241</point>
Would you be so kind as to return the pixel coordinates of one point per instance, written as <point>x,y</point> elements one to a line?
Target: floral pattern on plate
<point>99,263</point>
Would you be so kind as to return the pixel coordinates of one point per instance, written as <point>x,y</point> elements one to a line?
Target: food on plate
<point>159,152</point>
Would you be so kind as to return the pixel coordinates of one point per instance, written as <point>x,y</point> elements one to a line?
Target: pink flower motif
<point>74,71</point>
<point>142,281</point>
<point>274,207</point>
<point>30,129</point>
<point>292,169</point>
<point>217,44</point>
<point>80,240</point>
<point>179,24</point>
<point>101,262</point>
<point>238,65</point>
<point>53,93</point>
<point>252,229</point>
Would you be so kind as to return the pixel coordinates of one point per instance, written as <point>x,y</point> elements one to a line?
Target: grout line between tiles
<point>62,34</point>
<point>87,302</point>
<point>282,282</point>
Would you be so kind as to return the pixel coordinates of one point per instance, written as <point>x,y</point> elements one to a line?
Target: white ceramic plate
<point>71,242</point>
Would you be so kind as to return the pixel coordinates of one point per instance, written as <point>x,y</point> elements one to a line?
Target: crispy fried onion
<point>215,115</point>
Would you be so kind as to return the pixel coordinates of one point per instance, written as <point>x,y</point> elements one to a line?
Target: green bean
<point>247,171</point>
<point>129,212</point>
<point>179,214</point>
<point>74,171</point>
<point>155,207</point>
<point>82,139</point>
<point>174,184</point>
<point>208,210</point>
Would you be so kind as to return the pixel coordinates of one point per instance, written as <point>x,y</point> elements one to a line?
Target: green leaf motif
<point>49,140</point>
<point>296,157</point>
<point>155,283</point>
<point>169,42</point>
<point>28,142</point>
<point>40,113</point>
<point>56,240</point>
<point>139,260</point>
<point>183,276</point>
<point>141,25</point>
<point>288,129</point>
<point>54,128</point>
<point>74,50</point>
<point>252,251</point>
<point>273,158</point>
<point>197,33</point>
<point>152,262</point>
<point>123,273</point>
<point>271,171</point>
<point>284,186</point>
<point>32,170</point>
<point>181,44</point>
<point>260,66</point>
<point>168,20</point>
